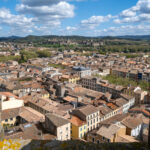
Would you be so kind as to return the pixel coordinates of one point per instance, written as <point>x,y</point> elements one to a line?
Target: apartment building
<point>100,86</point>
<point>106,134</point>
<point>82,71</point>
<point>78,128</point>
<point>10,101</point>
<point>90,114</point>
<point>134,125</point>
<point>70,78</point>
<point>58,126</point>
<point>133,74</point>
<point>39,68</point>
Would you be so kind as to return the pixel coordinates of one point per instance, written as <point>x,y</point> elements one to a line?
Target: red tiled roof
<point>76,121</point>
<point>8,94</point>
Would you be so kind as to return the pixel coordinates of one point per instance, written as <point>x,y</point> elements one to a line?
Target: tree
<point>25,55</point>
<point>43,53</point>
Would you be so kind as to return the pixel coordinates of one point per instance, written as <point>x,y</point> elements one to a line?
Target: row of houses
<point>134,74</point>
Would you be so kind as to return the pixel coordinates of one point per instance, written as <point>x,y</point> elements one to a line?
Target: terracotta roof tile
<point>76,121</point>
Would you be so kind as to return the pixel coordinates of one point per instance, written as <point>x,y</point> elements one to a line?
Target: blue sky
<point>74,17</point>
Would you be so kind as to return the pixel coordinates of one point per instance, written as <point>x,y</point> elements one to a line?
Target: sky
<point>74,17</point>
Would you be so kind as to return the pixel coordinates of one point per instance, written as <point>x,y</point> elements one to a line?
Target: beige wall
<point>9,121</point>
<point>92,121</point>
<point>63,132</point>
<point>121,132</point>
<point>101,139</point>
<point>12,104</point>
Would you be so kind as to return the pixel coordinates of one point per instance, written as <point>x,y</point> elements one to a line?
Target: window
<point>11,118</point>
<point>84,127</point>
<point>61,138</point>
<point>91,121</point>
<point>108,140</point>
<point>81,129</point>
<point>81,135</point>
<point>6,120</point>
<point>93,140</point>
<point>103,138</point>
<point>67,128</point>
<point>98,141</point>
<point>88,123</point>
<point>60,131</point>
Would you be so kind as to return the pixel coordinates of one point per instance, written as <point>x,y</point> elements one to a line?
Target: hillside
<point>32,38</point>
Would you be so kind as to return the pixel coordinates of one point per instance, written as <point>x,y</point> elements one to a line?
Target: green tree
<point>43,53</point>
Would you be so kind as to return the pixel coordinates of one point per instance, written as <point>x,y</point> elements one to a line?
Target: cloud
<point>48,12</point>
<point>15,22</point>
<point>34,3</point>
<point>43,16</point>
<point>94,21</point>
<point>138,13</point>
<point>69,28</point>
<point>125,30</point>
<point>128,13</point>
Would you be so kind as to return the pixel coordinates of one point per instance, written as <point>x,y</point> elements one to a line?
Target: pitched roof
<point>31,115</point>
<point>70,98</point>
<point>132,122</point>
<point>89,109</point>
<point>10,113</point>
<point>56,120</point>
<point>76,121</point>
<point>125,139</point>
<point>104,110</point>
<point>114,119</point>
<point>109,131</point>
<point>120,102</point>
<point>8,94</point>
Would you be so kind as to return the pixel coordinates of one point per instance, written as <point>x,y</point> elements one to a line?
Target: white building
<point>10,101</point>
<point>58,126</point>
<point>82,71</point>
<point>130,102</point>
<point>90,114</point>
<point>133,125</point>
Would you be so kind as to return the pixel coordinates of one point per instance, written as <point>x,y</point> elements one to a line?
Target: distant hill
<point>135,37</point>
<point>127,37</point>
<point>33,38</point>
<point>10,38</point>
